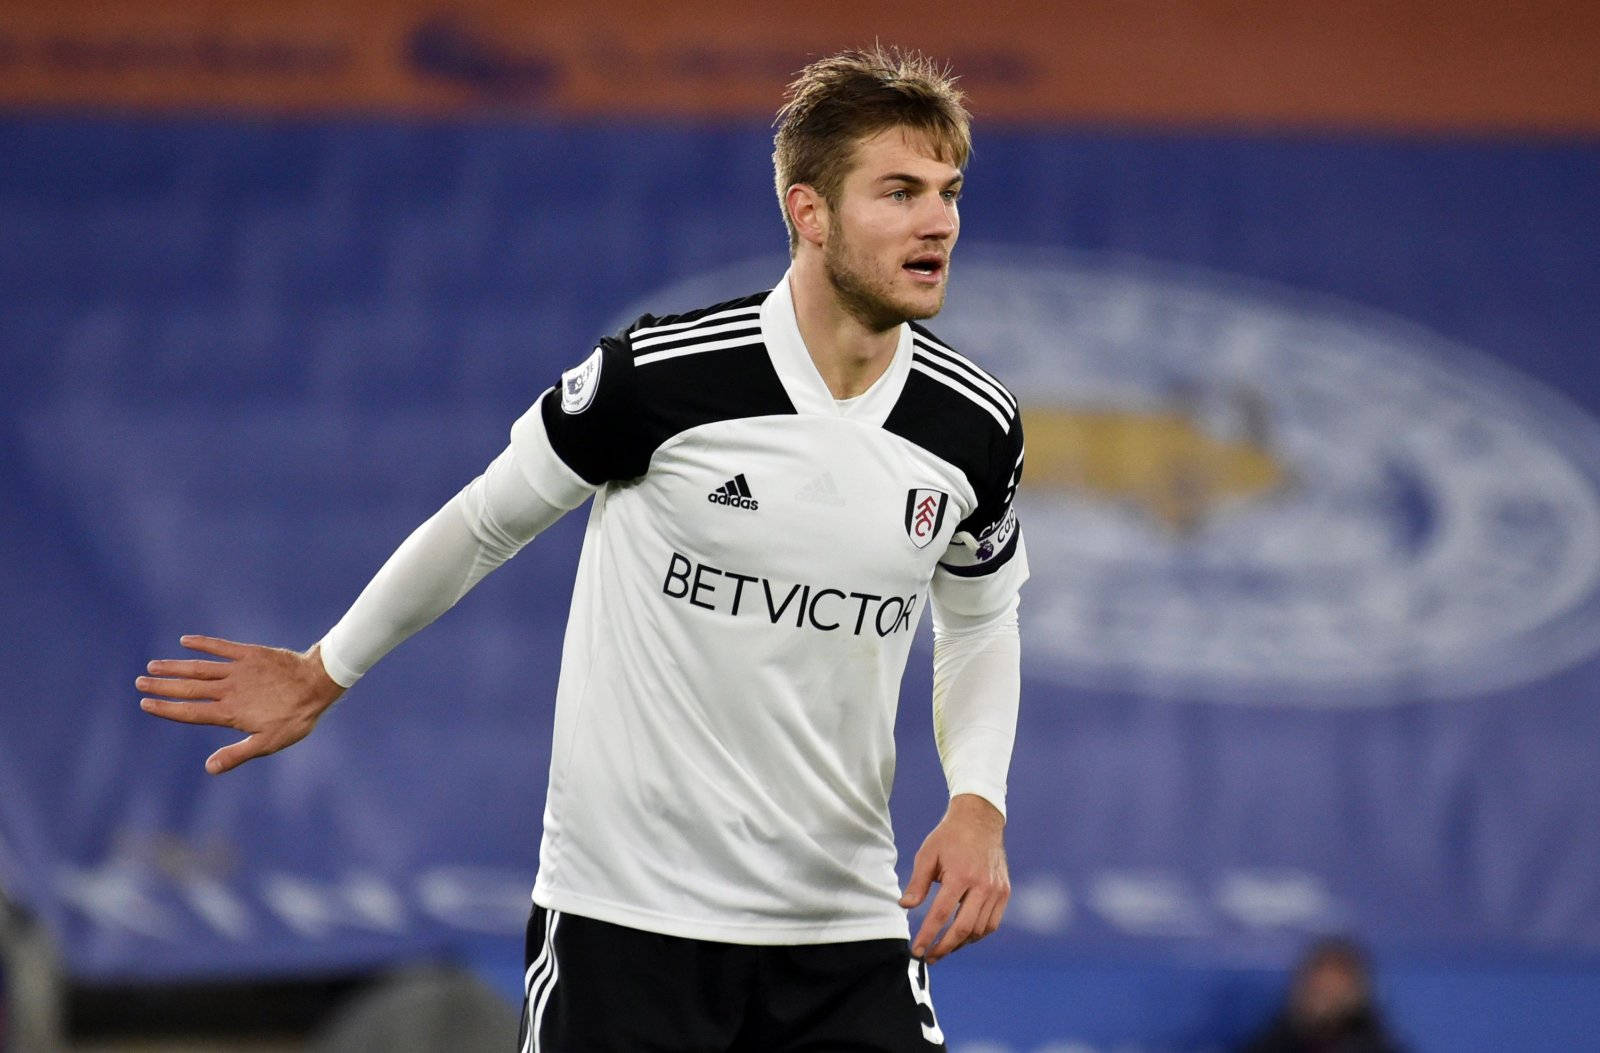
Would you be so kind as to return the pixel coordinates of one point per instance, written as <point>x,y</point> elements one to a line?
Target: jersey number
<point>918,972</point>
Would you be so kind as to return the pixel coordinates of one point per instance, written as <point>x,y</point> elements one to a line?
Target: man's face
<point>892,229</point>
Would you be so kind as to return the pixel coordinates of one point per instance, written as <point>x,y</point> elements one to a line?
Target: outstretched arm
<point>275,696</point>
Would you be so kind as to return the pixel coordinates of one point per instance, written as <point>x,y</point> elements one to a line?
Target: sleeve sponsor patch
<point>972,556</point>
<point>579,384</point>
<point>995,539</point>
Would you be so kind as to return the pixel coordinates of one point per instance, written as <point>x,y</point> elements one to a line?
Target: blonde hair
<point>837,102</point>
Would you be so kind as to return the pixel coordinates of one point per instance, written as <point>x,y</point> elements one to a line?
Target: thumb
<point>230,757</point>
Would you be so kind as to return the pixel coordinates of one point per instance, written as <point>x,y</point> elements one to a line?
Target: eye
<point>900,195</point>
<point>951,196</point>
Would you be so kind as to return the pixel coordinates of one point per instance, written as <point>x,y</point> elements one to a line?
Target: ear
<point>808,212</point>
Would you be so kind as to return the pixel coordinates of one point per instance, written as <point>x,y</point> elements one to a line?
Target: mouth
<point>928,268</point>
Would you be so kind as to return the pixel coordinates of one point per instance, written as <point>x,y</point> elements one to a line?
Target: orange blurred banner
<point>1425,65</point>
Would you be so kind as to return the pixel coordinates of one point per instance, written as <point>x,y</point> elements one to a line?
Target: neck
<point>849,354</point>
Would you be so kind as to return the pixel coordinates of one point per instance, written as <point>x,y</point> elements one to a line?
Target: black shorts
<point>593,987</point>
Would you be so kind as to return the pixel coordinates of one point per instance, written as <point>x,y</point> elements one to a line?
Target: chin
<point>923,307</point>
<point>892,313</point>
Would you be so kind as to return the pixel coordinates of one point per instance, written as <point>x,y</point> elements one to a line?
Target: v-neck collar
<point>798,373</point>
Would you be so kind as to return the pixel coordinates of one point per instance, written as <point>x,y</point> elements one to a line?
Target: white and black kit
<point>757,558</point>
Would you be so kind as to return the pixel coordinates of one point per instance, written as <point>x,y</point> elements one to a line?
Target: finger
<point>988,910</point>
<point>997,914</point>
<point>945,906</point>
<point>230,757</point>
<point>185,712</point>
<point>177,688</point>
<point>189,668</point>
<point>215,645</point>
<point>986,921</point>
<point>957,934</point>
<point>921,881</point>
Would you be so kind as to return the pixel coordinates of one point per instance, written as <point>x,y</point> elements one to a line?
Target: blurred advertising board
<point>1473,64</point>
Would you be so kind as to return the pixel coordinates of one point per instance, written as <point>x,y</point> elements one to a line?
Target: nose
<point>940,219</point>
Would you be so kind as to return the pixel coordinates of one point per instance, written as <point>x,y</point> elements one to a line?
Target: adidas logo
<point>735,493</point>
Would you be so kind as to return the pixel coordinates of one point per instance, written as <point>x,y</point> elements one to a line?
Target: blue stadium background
<point>243,358</point>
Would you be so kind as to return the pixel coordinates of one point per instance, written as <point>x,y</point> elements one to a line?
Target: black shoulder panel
<point>946,425</point>
<point>600,439</point>
<point>658,377</point>
<point>700,367</point>
<point>962,415</point>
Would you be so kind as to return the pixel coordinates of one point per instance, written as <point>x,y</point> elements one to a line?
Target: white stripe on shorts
<point>538,980</point>
<point>555,975</point>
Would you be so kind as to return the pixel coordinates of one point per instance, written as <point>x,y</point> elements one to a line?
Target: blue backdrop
<point>1313,499</point>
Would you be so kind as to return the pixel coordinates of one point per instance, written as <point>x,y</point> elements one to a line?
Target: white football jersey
<point>757,558</point>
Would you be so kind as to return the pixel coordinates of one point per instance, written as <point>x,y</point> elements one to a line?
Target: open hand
<point>273,695</point>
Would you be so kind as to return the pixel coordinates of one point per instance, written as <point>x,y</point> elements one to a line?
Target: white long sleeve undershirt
<point>977,683</point>
<point>481,527</point>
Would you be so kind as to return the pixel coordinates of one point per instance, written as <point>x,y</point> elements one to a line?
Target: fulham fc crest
<point>924,515</point>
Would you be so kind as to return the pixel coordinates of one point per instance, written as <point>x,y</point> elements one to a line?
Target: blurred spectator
<point>1329,1009</point>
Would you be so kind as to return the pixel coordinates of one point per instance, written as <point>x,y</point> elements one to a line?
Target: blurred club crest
<point>1241,492</point>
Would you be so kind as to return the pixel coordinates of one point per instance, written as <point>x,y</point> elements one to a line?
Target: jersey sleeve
<point>977,687</point>
<point>584,431</point>
<point>985,563</point>
<point>477,530</point>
